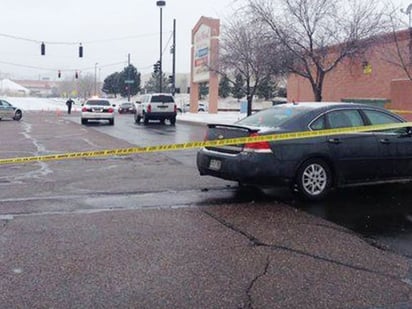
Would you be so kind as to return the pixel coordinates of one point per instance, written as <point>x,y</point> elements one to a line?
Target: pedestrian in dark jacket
<point>69,104</point>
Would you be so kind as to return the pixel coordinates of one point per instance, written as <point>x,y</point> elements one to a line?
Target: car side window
<point>344,119</point>
<point>318,124</point>
<point>377,117</point>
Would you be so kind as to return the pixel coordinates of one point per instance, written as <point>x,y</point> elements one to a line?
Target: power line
<point>15,37</point>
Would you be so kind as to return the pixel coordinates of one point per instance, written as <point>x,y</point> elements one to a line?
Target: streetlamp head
<point>160,3</point>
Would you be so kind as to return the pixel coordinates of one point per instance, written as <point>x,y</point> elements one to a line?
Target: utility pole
<point>128,77</point>
<point>174,59</point>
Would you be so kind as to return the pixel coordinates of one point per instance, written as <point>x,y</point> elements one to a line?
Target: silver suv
<point>156,106</point>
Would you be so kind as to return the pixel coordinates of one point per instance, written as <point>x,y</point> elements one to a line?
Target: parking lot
<point>147,231</point>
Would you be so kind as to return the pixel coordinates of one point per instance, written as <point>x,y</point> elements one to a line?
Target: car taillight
<point>111,110</point>
<point>149,108</point>
<point>84,109</point>
<point>257,146</point>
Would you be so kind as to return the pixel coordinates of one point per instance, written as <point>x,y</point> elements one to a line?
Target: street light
<point>95,79</point>
<point>160,4</point>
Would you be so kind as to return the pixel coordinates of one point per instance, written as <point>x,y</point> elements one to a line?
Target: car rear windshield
<point>126,104</point>
<point>98,102</point>
<point>162,99</point>
<point>273,117</point>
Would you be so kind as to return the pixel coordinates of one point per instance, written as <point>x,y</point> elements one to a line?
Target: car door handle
<point>334,141</point>
<point>384,141</point>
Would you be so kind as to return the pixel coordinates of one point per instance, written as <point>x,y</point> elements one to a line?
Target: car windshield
<point>273,117</point>
<point>98,102</point>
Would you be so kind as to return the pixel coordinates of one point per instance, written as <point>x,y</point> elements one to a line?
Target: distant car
<point>311,166</point>
<point>7,110</point>
<point>201,107</point>
<point>97,109</point>
<point>126,108</point>
<point>156,106</point>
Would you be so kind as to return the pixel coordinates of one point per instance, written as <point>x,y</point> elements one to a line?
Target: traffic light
<point>156,67</point>
<point>59,74</point>
<point>80,51</point>
<point>43,49</point>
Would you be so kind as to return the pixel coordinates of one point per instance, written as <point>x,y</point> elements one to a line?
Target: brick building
<point>375,77</point>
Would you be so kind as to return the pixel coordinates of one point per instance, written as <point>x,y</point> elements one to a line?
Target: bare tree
<point>246,50</point>
<point>399,51</point>
<point>317,35</point>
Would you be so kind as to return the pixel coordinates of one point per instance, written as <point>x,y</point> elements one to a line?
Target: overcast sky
<point>108,30</point>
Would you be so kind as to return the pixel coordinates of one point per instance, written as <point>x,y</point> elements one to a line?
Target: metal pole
<point>160,57</point>
<point>128,78</point>
<point>95,78</point>
<point>174,59</point>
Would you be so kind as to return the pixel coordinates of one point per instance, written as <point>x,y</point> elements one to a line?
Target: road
<point>146,231</point>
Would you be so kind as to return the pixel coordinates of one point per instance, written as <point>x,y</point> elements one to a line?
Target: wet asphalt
<point>146,231</point>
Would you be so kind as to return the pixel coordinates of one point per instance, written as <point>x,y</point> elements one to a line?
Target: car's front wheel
<point>18,115</point>
<point>314,179</point>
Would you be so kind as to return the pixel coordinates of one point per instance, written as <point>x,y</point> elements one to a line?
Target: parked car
<point>7,110</point>
<point>126,108</point>
<point>311,166</point>
<point>97,109</point>
<point>157,106</point>
<point>201,107</point>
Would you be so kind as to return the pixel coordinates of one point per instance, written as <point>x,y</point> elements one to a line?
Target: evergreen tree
<point>224,87</point>
<point>266,88</point>
<point>238,88</point>
<point>129,74</point>
<point>111,84</point>
<point>153,86</point>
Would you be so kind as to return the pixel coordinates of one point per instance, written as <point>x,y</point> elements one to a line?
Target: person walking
<point>69,104</point>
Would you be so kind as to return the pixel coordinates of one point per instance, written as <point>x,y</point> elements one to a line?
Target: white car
<point>7,110</point>
<point>156,106</point>
<point>201,107</point>
<point>97,109</point>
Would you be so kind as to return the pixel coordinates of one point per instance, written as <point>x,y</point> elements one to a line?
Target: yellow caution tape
<point>199,144</point>
<point>398,111</point>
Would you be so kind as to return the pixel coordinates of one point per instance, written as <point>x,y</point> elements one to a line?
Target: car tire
<point>18,115</point>
<point>173,121</point>
<point>111,122</point>
<point>314,179</point>
<point>84,121</point>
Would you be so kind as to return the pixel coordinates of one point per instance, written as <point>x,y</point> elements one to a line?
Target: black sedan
<point>311,166</point>
<point>7,110</point>
<point>127,108</point>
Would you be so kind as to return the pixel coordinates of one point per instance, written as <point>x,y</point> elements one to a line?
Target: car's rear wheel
<point>84,121</point>
<point>18,115</point>
<point>314,179</point>
<point>111,122</point>
<point>173,121</point>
